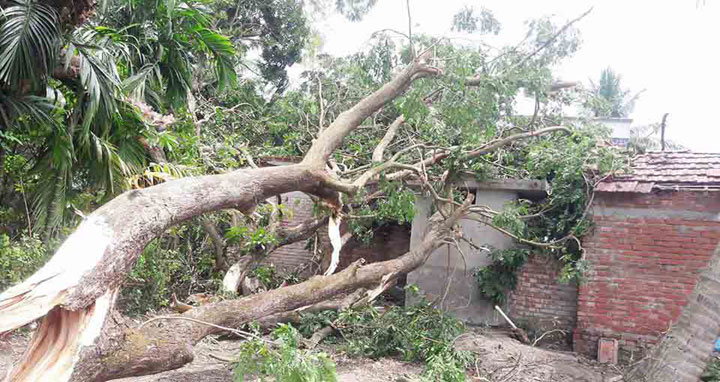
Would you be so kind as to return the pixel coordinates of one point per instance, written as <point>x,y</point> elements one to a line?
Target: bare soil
<point>500,358</point>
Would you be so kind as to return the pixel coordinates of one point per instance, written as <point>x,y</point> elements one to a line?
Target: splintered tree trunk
<point>103,249</point>
<point>77,288</point>
<point>683,354</point>
<point>88,345</point>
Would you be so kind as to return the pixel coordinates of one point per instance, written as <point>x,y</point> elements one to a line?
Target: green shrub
<point>499,277</point>
<point>418,333</point>
<point>161,272</point>
<point>282,360</point>
<point>19,259</point>
<point>712,371</point>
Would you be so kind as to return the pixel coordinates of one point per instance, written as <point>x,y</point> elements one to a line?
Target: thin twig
<point>553,38</point>
<point>547,333</point>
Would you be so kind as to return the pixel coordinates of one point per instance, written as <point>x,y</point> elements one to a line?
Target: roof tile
<point>667,169</point>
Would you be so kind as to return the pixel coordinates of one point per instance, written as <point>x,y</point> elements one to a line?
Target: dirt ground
<point>500,358</point>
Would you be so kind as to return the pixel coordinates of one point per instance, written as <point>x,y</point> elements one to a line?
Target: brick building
<point>655,230</point>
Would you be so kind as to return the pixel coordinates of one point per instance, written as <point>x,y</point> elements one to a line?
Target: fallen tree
<point>80,340</point>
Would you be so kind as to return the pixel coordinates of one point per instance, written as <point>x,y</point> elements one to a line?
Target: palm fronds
<point>29,43</point>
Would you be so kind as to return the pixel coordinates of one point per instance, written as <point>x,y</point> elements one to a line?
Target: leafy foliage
<point>398,206</point>
<point>277,27</point>
<point>354,10</point>
<point>176,264</point>
<point>282,360</point>
<point>571,165</point>
<point>500,276</point>
<point>608,98</point>
<point>419,333</point>
<point>164,40</point>
<point>29,42</point>
<point>467,21</point>
<point>712,371</point>
<point>19,259</point>
<point>272,278</point>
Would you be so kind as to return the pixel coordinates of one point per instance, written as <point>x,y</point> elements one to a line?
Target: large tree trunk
<point>106,350</point>
<point>683,354</point>
<point>99,254</point>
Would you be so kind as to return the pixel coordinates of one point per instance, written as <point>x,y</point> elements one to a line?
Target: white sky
<point>668,47</point>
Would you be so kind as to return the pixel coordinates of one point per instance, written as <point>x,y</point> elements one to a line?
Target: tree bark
<point>683,354</point>
<point>118,352</point>
<point>99,254</point>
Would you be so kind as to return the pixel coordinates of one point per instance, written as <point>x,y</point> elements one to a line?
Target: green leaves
<point>496,279</point>
<point>29,43</point>
<point>100,92</point>
<point>418,333</point>
<point>282,360</point>
<point>258,238</point>
<point>467,21</point>
<point>223,52</point>
<point>19,259</point>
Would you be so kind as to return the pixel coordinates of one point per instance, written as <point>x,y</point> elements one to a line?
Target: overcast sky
<point>669,48</point>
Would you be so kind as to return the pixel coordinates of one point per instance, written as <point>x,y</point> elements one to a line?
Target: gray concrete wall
<point>446,277</point>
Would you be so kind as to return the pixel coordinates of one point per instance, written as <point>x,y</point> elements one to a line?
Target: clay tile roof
<point>667,170</point>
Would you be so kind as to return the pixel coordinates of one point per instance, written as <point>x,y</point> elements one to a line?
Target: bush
<point>497,279</point>
<point>161,272</point>
<point>418,333</point>
<point>19,259</point>
<point>282,360</point>
<point>712,371</point>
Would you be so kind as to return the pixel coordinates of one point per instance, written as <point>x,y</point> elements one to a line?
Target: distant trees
<point>609,98</point>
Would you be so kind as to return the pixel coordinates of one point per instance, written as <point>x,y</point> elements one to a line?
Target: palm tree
<point>165,39</point>
<point>71,88</point>
<point>609,99</point>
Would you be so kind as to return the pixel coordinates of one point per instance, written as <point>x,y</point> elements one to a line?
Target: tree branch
<point>331,138</point>
<point>377,155</point>
<point>485,149</point>
<point>218,242</point>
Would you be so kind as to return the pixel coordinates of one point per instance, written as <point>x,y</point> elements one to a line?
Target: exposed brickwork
<point>645,253</point>
<point>541,302</point>
<point>294,256</point>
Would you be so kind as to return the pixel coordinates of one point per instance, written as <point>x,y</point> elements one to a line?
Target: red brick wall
<point>540,302</point>
<point>645,254</point>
